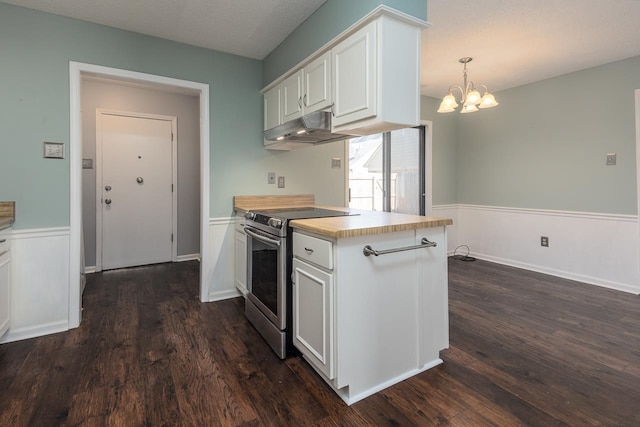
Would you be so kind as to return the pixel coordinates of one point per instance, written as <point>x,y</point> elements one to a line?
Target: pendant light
<point>469,95</point>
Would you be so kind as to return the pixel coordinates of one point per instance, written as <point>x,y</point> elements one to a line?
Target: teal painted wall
<point>444,141</point>
<point>35,50</point>
<point>332,18</point>
<point>545,146</point>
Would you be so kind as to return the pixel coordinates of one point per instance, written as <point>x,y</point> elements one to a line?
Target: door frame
<point>76,70</point>
<point>174,176</point>
<point>428,166</point>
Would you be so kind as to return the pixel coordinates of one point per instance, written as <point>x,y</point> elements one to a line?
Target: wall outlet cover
<point>281,182</point>
<point>544,241</point>
<point>336,163</point>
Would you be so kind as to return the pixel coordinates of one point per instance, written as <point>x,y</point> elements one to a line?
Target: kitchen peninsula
<point>369,296</point>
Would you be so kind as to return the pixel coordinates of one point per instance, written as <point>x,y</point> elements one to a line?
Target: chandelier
<point>469,95</point>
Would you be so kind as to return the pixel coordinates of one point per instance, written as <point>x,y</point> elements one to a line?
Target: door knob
<point>107,188</point>
<point>139,180</point>
<point>107,201</point>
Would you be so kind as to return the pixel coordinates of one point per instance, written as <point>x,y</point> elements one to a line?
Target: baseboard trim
<point>188,257</point>
<point>90,269</point>
<point>560,273</point>
<point>20,334</point>
<point>223,295</point>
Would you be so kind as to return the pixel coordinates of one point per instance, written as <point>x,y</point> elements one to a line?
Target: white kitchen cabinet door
<point>241,262</point>
<point>292,97</point>
<point>317,84</point>
<point>5,302</point>
<point>377,78</point>
<point>355,76</point>
<point>272,108</point>
<point>313,315</point>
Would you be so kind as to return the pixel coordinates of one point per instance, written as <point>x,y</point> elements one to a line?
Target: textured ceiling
<point>513,42</point>
<point>250,28</point>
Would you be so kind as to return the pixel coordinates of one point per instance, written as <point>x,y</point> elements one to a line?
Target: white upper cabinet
<point>376,78</point>
<point>272,109</point>
<point>355,76</point>
<point>369,76</point>
<point>308,89</point>
<point>317,84</point>
<point>292,97</point>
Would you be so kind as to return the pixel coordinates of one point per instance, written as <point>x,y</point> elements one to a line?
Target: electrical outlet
<point>271,178</point>
<point>281,182</point>
<point>335,163</point>
<point>544,241</point>
<point>611,159</point>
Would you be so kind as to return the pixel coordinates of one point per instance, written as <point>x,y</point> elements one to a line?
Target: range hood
<point>312,128</point>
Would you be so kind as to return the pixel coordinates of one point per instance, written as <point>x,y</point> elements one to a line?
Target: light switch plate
<point>87,163</point>
<point>271,177</point>
<point>611,159</point>
<point>335,163</point>
<point>53,150</point>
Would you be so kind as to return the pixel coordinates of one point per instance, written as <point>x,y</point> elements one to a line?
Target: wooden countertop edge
<point>341,233</point>
<point>7,214</point>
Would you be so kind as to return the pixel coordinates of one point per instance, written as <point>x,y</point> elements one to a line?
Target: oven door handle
<point>261,237</point>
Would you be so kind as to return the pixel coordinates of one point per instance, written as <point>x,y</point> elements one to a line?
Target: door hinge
<point>172,237</point>
<point>172,188</point>
<point>171,136</point>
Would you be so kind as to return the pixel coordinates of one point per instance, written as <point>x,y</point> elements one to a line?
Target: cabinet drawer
<point>4,243</point>
<point>317,251</point>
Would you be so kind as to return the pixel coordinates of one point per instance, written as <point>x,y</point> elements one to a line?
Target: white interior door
<point>135,190</point>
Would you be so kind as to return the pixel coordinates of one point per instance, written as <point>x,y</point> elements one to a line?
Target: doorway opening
<point>78,71</point>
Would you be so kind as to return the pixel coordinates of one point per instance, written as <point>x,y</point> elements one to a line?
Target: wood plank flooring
<point>526,349</point>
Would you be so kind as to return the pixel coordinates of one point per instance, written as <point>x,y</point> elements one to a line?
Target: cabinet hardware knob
<point>107,201</point>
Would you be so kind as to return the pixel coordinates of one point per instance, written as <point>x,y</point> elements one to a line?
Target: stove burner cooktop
<point>302,212</point>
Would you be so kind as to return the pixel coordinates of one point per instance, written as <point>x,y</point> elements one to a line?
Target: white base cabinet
<point>240,257</point>
<point>371,322</point>
<point>5,284</point>
<point>313,315</point>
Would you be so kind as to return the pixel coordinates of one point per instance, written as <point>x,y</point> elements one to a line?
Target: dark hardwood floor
<point>526,349</point>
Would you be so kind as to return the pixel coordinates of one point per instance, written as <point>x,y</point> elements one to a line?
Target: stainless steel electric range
<point>269,259</point>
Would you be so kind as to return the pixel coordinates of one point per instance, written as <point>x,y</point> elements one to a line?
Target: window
<point>387,171</point>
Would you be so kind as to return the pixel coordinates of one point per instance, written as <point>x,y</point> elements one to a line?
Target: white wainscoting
<point>39,282</point>
<point>600,249</point>
<point>448,211</point>
<point>220,278</point>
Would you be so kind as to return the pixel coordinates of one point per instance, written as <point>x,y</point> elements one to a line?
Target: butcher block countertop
<point>7,214</point>
<point>365,223</point>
